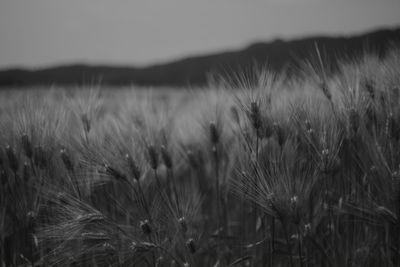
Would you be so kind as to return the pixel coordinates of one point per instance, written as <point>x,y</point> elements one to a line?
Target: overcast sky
<point>38,33</point>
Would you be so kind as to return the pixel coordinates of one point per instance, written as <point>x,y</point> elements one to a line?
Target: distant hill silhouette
<point>193,70</point>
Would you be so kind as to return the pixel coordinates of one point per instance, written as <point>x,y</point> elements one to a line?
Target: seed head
<point>66,160</point>
<point>108,248</point>
<point>95,236</point>
<point>39,157</point>
<point>27,146</point>
<point>280,134</point>
<point>90,218</point>
<point>26,172</point>
<point>191,245</point>
<point>12,158</point>
<point>142,247</point>
<point>371,114</point>
<point>86,122</point>
<point>160,260</point>
<point>386,214</point>
<point>145,226</point>
<point>31,218</point>
<point>307,229</point>
<point>325,90</point>
<point>166,157</point>
<point>354,120</point>
<point>334,165</point>
<point>294,202</point>
<point>325,152</point>
<point>192,159</point>
<point>268,130</point>
<point>255,115</point>
<point>214,150</point>
<point>214,134</point>
<point>373,170</point>
<point>183,225</point>
<point>114,173</point>
<point>340,203</point>
<point>369,87</point>
<point>235,115</point>
<point>134,168</point>
<point>153,157</point>
<point>330,227</point>
<point>382,99</point>
<point>308,125</point>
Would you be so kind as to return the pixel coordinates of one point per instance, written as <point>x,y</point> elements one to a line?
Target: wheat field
<point>256,169</point>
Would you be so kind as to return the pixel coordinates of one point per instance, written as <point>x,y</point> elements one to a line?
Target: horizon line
<point>193,56</point>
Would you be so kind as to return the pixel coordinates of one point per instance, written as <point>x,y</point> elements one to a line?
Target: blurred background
<point>180,42</point>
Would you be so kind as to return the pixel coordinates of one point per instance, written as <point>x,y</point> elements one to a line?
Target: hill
<point>193,70</point>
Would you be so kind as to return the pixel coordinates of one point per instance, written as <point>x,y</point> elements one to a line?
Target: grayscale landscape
<point>283,150</point>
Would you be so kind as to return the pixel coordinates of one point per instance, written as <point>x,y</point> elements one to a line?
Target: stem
<point>157,180</point>
<point>272,244</point>
<point>169,254</point>
<point>171,174</point>
<point>164,197</point>
<point>257,141</point>
<point>144,201</point>
<point>300,247</point>
<point>39,192</point>
<point>256,215</point>
<point>242,220</point>
<point>86,136</point>
<point>217,191</point>
<point>2,239</point>
<point>288,244</point>
<point>76,185</point>
<point>142,198</point>
<point>153,254</point>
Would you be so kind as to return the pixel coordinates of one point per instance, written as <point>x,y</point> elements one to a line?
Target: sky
<point>42,33</point>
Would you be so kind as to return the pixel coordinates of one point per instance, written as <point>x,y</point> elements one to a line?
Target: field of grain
<point>255,170</point>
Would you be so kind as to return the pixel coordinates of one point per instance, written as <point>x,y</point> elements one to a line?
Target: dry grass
<point>256,170</point>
